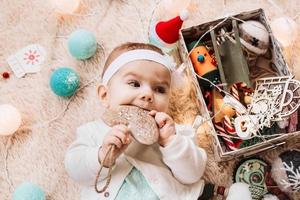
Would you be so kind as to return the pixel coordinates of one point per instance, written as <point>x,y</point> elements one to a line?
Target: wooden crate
<point>190,34</point>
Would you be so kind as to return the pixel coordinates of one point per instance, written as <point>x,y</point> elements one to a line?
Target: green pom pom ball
<point>28,191</point>
<point>64,82</point>
<point>82,44</point>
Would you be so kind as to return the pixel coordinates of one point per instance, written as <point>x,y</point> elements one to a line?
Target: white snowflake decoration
<point>293,178</point>
<point>273,100</point>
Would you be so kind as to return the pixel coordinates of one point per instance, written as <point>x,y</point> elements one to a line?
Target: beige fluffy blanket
<point>36,152</point>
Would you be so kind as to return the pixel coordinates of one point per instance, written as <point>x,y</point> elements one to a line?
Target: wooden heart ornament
<point>142,126</point>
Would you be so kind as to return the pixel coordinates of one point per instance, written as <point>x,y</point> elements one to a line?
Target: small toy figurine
<point>220,108</point>
<point>205,66</point>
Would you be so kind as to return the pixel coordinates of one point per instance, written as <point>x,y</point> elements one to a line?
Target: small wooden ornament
<point>142,126</point>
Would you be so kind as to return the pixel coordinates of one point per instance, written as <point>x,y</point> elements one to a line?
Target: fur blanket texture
<point>36,151</point>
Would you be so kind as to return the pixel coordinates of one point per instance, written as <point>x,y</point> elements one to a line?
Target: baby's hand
<point>119,136</point>
<point>166,127</point>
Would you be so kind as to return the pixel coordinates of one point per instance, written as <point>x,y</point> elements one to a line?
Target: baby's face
<point>141,83</point>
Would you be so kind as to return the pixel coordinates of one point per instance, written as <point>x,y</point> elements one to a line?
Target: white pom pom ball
<point>10,119</point>
<point>254,36</point>
<point>270,197</point>
<point>238,191</point>
<point>285,30</point>
<point>184,15</point>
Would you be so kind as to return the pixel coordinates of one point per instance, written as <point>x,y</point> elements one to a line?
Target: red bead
<point>5,75</point>
<point>221,190</point>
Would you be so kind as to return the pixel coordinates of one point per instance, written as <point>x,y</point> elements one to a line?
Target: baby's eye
<point>160,89</point>
<point>134,83</point>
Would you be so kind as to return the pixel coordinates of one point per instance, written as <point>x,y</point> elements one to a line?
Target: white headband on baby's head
<point>137,54</point>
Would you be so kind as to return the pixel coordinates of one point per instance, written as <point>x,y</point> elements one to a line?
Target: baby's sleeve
<point>81,159</point>
<point>186,160</point>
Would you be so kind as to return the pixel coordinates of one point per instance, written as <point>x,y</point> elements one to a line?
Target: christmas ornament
<point>204,65</point>
<point>10,119</point>
<point>225,111</point>
<point>284,30</point>
<point>28,191</point>
<point>257,174</point>
<point>237,91</point>
<point>165,34</point>
<point>274,99</point>
<point>64,82</point>
<point>286,171</point>
<point>27,60</point>
<point>5,75</point>
<point>228,141</point>
<point>142,125</point>
<point>253,173</point>
<point>254,36</point>
<point>66,6</point>
<point>232,64</point>
<point>82,44</point>
<point>221,108</point>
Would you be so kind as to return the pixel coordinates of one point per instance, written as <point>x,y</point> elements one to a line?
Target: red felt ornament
<point>165,34</point>
<point>5,75</point>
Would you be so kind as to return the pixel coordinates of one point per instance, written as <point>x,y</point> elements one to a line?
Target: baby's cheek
<point>162,104</point>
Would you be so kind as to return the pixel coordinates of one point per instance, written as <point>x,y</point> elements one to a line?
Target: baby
<point>140,75</point>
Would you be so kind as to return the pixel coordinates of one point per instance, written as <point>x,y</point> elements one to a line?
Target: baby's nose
<point>148,98</point>
<point>147,95</point>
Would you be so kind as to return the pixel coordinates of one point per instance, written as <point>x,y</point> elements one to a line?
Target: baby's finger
<point>122,128</point>
<point>129,140</point>
<point>115,141</point>
<point>161,119</point>
<point>152,113</point>
<point>122,135</point>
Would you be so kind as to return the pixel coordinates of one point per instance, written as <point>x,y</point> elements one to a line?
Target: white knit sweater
<point>173,172</point>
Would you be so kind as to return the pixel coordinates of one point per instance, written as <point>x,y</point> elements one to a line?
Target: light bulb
<point>66,6</point>
<point>284,30</point>
<point>10,119</point>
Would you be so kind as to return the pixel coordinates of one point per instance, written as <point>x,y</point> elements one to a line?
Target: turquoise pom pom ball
<point>64,82</point>
<point>28,191</point>
<point>82,44</point>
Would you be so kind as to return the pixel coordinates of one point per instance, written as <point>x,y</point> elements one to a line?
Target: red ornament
<point>167,32</point>
<point>214,62</point>
<point>5,75</point>
<point>221,190</point>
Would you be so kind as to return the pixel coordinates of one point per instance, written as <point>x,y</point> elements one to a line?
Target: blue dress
<point>135,187</point>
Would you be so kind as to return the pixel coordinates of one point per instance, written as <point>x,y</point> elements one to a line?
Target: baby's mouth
<point>141,107</point>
